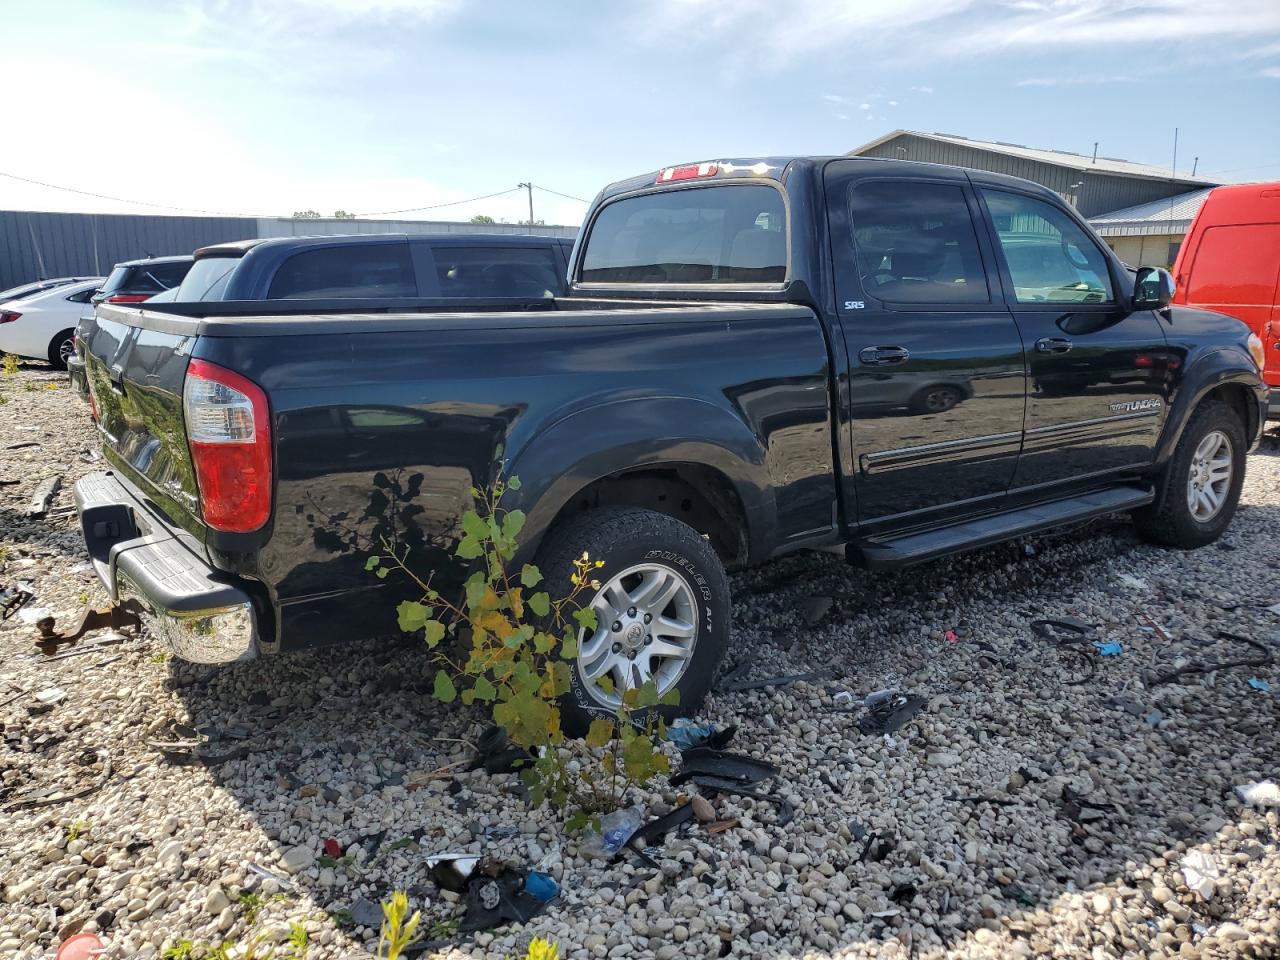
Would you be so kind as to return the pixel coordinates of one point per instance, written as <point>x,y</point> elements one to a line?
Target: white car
<point>42,326</point>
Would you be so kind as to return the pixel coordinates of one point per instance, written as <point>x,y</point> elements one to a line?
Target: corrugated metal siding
<point>34,245</point>
<point>1097,194</point>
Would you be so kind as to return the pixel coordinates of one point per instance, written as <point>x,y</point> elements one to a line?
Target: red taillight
<point>229,431</point>
<point>129,297</point>
<point>8,316</point>
<point>690,172</point>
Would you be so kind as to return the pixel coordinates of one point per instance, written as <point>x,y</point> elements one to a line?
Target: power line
<point>567,196</point>
<point>437,206</point>
<point>140,203</point>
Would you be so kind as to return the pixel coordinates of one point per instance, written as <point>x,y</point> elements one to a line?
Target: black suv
<point>379,266</point>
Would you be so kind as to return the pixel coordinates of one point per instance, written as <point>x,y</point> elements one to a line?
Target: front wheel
<point>662,610</point>
<point>1199,488</point>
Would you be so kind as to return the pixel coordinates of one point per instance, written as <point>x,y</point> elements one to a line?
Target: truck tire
<point>60,348</point>
<point>657,571</point>
<point>1198,489</point>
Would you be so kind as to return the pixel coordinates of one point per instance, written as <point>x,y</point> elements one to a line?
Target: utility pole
<point>529,188</point>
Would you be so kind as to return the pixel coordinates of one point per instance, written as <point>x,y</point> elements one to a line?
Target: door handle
<point>1053,345</point>
<point>879,356</point>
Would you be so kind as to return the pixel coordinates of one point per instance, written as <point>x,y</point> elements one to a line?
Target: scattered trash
<point>720,826</point>
<point>99,755</point>
<point>951,636</point>
<point>1263,794</point>
<point>1200,870</point>
<point>541,886</point>
<point>1061,629</point>
<point>13,599</point>
<point>43,495</point>
<point>451,871</point>
<point>1108,648</point>
<point>365,913</point>
<point>1259,684</point>
<point>501,831</point>
<point>903,893</point>
<point>644,839</point>
<point>266,874</point>
<point>1129,580</point>
<point>1148,624</point>
<point>686,733</point>
<point>33,614</point>
<point>877,848</point>
<point>888,711</point>
<point>616,829</point>
<point>786,812</point>
<point>1201,668</point>
<point>1153,718</point>
<point>24,444</point>
<point>496,754</point>
<point>51,695</point>
<point>82,946</point>
<point>332,848</point>
<point>1028,550</point>
<point>736,686</point>
<point>843,698</point>
<point>708,761</point>
<point>492,901</point>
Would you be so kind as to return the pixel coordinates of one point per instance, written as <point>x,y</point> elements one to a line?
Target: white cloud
<point>864,106</point>
<point>834,98</point>
<point>1091,79</point>
<point>925,90</point>
<point>893,103</point>
<point>1270,72</point>
<point>842,116</point>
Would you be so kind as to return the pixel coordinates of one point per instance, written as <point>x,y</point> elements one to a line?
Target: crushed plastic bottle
<point>615,830</point>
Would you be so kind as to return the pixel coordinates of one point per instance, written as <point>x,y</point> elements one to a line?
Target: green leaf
<point>412,615</point>
<point>371,563</point>
<point>586,617</point>
<point>599,733</point>
<point>512,524</point>
<point>468,548</point>
<point>569,646</point>
<point>605,683</point>
<point>578,821</point>
<point>468,697</point>
<point>630,697</point>
<point>637,758</point>
<point>530,576</point>
<point>445,691</point>
<point>382,573</point>
<point>542,642</point>
<point>473,525</point>
<point>513,483</point>
<point>647,694</point>
<point>671,698</point>
<point>540,604</point>
<point>434,632</point>
<point>484,690</point>
<point>475,586</point>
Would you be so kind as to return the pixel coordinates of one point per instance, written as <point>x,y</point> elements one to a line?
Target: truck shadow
<point>1055,791</point>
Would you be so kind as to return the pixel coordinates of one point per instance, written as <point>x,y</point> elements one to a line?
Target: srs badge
<point>1134,405</point>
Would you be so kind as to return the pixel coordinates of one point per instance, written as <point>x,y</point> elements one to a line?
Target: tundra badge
<point>1132,405</point>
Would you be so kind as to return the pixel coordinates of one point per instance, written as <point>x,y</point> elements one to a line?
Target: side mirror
<point>1153,289</point>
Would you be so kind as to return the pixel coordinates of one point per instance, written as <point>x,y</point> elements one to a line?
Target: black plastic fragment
<point>493,901</point>
<point>496,754</point>
<point>734,767</point>
<point>891,714</point>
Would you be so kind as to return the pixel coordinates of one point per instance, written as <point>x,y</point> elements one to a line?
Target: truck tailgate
<point>135,376</point>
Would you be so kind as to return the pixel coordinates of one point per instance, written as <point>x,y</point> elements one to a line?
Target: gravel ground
<point>1023,813</point>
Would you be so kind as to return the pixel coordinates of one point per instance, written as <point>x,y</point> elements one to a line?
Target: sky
<point>382,106</point>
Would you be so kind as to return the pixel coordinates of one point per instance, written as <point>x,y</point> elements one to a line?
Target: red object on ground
<point>83,946</point>
<point>1230,262</point>
<point>332,848</point>
<point>950,636</point>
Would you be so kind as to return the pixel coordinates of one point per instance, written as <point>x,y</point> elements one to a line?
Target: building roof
<point>1156,217</point>
<point>1061,158</point>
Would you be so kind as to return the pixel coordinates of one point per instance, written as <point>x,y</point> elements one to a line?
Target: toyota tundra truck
<point>893,360</point>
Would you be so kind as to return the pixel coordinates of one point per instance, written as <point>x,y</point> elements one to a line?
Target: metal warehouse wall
<point>1100,193</point>
<point>34,245</point>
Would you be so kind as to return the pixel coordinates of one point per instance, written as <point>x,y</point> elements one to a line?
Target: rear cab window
<point>206,280</point>
<point>357,270</point>
<point>488,272</point>
<point>727,233</point>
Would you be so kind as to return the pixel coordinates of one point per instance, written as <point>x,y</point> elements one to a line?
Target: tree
<point>343,215</point>
<point>306,214</point>
<point>482,218</point>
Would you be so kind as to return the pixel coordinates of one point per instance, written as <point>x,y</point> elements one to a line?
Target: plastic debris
<point>332,848</point>
<point>842,698</point>
<point>1061,629</point>
<point>365,913</point>
<point>1129,580</point>
<point>686,733</point>
<point>1200,870</point>
<point>503,898</point>
<point>1109,648</point>
<point>14,598</point>
<point>451,871</point>
<point>51,695</point>
<point>1266,659</point>
<point>1263,794</point>
<point>82,946</point>
<point>268,875</point>
<point>541,886</point>
<point>951,636</point>
<point>708,761</point>
<point>616,829</point>
<point>1148,624</point>
<point>1259,684</point>
<point>887,711</point>
<point>496,754</point>
<point>1153,718</point>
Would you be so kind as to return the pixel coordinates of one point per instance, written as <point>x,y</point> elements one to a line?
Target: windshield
<point>206,280</point>
<point>731,233</point>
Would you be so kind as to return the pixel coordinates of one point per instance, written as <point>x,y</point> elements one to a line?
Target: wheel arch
<point>1216,377</point>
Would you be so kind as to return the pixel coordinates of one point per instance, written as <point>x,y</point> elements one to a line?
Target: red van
<point>1230,262</point>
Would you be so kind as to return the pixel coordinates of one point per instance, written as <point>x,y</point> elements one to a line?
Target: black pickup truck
<point>892,359</point>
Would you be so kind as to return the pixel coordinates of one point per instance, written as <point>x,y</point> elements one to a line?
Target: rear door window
<point>731,233</point>
<point>357,270</point>
<point>206,280</point>
<point>1050,257</point>
<point>486,272</point>
<point>916,243</point>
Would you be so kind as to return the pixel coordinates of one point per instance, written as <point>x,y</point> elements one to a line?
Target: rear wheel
<point>936,398</point>
<point>1199,488</point>
<point>662,609</point>
<point>61,348</point>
